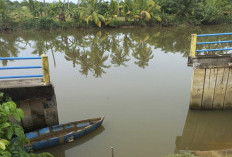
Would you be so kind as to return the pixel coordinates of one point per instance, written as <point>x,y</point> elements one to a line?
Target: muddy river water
<point>136,77</point>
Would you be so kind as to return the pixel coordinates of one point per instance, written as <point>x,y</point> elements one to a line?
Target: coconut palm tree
<point>33,6</point>
<point>143,54</point>
<point>98,59</point>
<point>73,55</point>
<point>8,48</point>
<point>119,57</point>
<point>85,63</point>
<point>90,13</point>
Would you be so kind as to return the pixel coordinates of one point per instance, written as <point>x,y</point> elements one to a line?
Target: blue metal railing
<point>213,42</point>
<point>22,76</point>
<point>20,67</point>
<point>18,58</point>
<point>24,67</point>
<point>217,34</point>
<point>207,50</point>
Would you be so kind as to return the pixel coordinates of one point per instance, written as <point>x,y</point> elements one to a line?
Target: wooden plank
<point>197,88</point>
<point>209,86</point>
<point>228,97</point>
<point>220,88</point>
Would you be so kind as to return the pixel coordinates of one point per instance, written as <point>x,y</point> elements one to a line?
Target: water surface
<point>137,78</point>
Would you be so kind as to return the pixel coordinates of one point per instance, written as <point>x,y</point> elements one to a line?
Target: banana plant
<point>90,13</point>
<point>96,18</point>
<point>33,6</point>
<point>146,10</point>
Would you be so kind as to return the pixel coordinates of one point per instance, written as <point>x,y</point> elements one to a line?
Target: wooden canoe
<point>59,134</point>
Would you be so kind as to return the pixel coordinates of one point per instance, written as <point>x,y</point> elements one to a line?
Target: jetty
<point>34,94</point>
<point>212,74</point>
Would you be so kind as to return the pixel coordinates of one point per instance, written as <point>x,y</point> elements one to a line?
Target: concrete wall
<point>37,100</point>
<point>211,88</point>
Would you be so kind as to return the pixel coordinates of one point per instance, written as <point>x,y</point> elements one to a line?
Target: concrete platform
<point>21,83</point>
<point>210,61</point>
<point>37,100</point>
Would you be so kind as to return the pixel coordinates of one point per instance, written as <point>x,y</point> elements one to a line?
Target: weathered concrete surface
<point>37,100</point>
<point>210,61</point>
<point>228,96</point>
<point>211,88</point>
<point>197,88</point>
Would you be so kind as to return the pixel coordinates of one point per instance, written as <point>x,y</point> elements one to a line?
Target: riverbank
<point>36,15</point>
<point>50,24</point>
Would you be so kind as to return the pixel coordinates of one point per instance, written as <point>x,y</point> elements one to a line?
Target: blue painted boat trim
<point>22,76</point>
<point>214,42</point>
<point>18,58</point>
<point>206,50</point>
<point>217,34</point>
<point>23,67</point>
<point>54,141</point>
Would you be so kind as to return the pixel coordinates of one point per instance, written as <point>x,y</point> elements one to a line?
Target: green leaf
<point>20,112</point>
<point>4,125</point>
<point>17,116</point>
<point>5,154</point>
<point>10,132</point>
<point>6,108</point>
<point>3,144</point>
<point>12,105</point>
<point>19,132</point>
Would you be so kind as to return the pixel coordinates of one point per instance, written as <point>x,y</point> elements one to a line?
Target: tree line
<point>99,13</point>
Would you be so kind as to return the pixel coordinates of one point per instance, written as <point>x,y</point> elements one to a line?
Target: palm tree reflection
<point>143,54</point>
<point>92,51</point>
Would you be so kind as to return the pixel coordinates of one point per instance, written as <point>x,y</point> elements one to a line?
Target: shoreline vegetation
<point>36,15</point>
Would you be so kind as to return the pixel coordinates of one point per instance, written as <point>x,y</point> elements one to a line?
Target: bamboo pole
<point>193,45</point>
<point>45,67</point>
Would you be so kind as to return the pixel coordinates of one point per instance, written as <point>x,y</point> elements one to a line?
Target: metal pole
<point>45,66</point>
<point>112,151</point>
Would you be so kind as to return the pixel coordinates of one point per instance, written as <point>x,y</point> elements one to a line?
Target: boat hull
<point>69,137</point>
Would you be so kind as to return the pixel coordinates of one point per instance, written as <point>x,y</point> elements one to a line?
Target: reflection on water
<point>59,151</point>
<point>144,95</point>
<point>206,131</point>
<point>91,49</point>
<point>96,51</point>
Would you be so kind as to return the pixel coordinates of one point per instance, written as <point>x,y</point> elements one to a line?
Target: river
<point>137,78</point>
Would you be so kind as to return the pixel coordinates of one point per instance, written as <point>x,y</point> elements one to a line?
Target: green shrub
<point>168,19</point>
<point>42,23</point>
<point>118,23</point>
<point>12,137</point>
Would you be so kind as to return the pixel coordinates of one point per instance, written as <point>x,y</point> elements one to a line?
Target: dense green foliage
<point>12,137</point>
<point>99,13</point>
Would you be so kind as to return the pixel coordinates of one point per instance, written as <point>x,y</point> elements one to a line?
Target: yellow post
<point>45,66</point>
<point>193,45</point>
